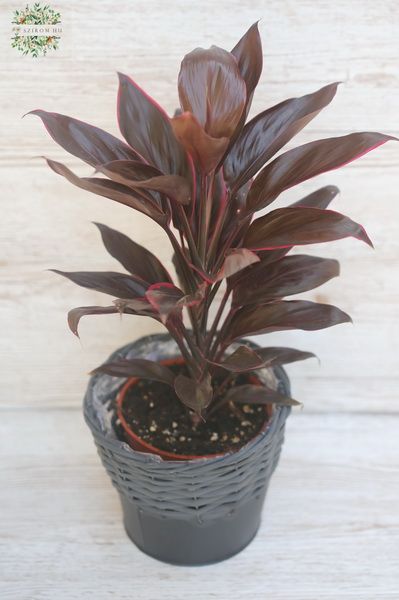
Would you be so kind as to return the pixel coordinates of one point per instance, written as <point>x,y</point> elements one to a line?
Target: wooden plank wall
<point>46,223</point>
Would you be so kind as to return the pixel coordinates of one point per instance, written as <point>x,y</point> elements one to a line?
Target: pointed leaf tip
<point>196,395</point>
<point>147,128</point>
<point>304,162</point>
<point>137,367</point>
<point>301,225</point>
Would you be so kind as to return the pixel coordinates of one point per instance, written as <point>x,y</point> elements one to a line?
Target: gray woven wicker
<point>184,512</point>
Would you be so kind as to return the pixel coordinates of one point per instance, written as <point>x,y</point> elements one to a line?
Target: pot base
<point>190,543</point>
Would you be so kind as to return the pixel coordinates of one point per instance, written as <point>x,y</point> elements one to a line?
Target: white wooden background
<point>331,524</point>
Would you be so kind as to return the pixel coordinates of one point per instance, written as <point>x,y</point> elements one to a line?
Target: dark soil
<point>154,413</point>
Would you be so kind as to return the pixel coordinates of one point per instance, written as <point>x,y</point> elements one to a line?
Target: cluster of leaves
<point>35,45</point>
<point>202,176</point>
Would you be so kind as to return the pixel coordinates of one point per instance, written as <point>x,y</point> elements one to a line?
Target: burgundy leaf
<point>280,316</point>
<point>168,299</point>
<point>286,227</point>
<point>76,314</point>
<point>196,395</point>
<point>128,171</point>
<point>136,306</point>
<point>164,298</point>
<point>245,359</point>
<point>307,161</point>
<point>241,360</point>
<point>269,131</point>
<point>266,257</point>
<point>135,258</point>
<point>112,190</point>
<point>147,128</point>
<point>107,282</point>
<point>204,149</point>
<point>212,89</point>
<point>278,355</point>
<point>88,143</point>
<point>195,298</point>
<point>137,367</point>
<point>236,260</point>
<point>320,198</point>
<point>142,176</point>
<point>177,188</point>
<point>248,53</point>
<point>285,277</point>
<point>258,394</point>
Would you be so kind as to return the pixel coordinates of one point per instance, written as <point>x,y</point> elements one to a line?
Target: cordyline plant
<point>202,176</point>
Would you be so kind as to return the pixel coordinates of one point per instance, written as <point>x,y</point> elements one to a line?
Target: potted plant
<point>189,424</point>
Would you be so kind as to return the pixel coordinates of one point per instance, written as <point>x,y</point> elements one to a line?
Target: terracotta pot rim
<point>165,453</point>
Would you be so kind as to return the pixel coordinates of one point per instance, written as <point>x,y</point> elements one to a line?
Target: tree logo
<point>36,30</point>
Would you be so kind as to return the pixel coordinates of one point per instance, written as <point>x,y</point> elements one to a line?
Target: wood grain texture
<point>331,523</point>
<point>330,528</point>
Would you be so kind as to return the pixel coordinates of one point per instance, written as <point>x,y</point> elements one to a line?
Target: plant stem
<point>218,316</point>
<point>216,235</point>
<point>216,353</point>
<point>173,330</point>
<point>182,261</point>
<point>190,240</point>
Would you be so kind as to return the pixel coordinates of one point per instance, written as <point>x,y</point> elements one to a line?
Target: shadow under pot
<point>185,509</point>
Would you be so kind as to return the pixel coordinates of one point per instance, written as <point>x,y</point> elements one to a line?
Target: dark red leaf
<point>266,257</point>
<point>167,299</point>
<point>143,176</point>
<point>204,149</point>
<point>146,127</point>
<point>196,297</point>
<point>278,355</point>
<point>279,316</point>
<point>212,89</point>
<point>286,227</point>
<point>135,306</point>
<point>248,53</point>
<point>321,198</point>
<point>112,190</point>
<point>76,314</point>
<point>285,277</point>
<point>177,188</point>
<point>245,359</point>
<point>108,282</point>
<point>307,161</point>
<point>196,395</point>
<point>128,171</point>
<point>236,260</point>
<point>135,258</point>
<point>164,298</point>
<point>241,360</point>
<point>137,367</point>
<point>269,131</point>
<point>85,141</point>
<point>258,394</point>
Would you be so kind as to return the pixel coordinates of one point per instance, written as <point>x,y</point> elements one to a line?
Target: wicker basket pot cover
<point>184,512</point>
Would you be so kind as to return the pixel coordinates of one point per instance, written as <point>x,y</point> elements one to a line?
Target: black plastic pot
<point>185,512</point>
